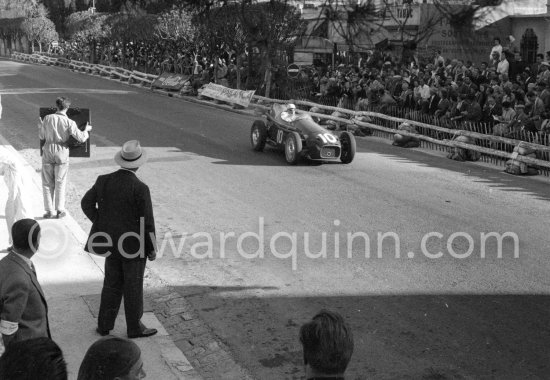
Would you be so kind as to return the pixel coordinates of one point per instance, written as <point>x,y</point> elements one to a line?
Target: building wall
<point>474,46</point>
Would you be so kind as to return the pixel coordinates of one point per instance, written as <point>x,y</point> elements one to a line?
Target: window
<point>529,46</point>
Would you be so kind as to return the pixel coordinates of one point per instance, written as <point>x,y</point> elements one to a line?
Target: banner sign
<point>229,95</point>
<point>169,81</point>
<point>81,116</point>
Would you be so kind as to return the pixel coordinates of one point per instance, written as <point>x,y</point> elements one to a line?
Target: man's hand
<point>88,127</point>
<point>39,125</point>
<point>152,256</point>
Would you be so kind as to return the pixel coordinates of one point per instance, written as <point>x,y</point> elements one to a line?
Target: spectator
<point>119,204</point>
<point>535,68</point>
<point>497,48</point>
<point>438,58</point>
<point>112,358</point>
<point>481,95</point>
<point>33,359</point>
<point>473,111</point>
<point>405,99</point>
<point>327,344</point>
<point>443,104</point>
<point>503,65</point>
<point>484,73</point>
<point>545,95</point>
<point>19,203</point>
<point>491,110</point>
<point>536,114</point>
<point>508,114</point>
<point>24,312</point>
<point>544,72</point>
<point>430,106</point>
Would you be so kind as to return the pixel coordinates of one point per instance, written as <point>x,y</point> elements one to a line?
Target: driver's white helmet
<point>291,107</point>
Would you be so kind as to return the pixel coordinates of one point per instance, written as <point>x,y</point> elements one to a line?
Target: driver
<point>289,115</point>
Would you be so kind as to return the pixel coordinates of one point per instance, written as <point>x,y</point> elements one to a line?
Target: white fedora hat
<point>131,155</point>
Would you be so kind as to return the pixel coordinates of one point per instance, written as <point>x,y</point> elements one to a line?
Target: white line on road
<point>19,91</point>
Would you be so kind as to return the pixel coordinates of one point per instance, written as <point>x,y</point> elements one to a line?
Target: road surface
<point>434,309</point>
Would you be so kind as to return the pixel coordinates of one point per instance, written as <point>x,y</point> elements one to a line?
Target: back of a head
<point>327,343</point>
<point>109,358</point>
<point>62,103</point>
<point>39,358</point>
<point>25,234</point>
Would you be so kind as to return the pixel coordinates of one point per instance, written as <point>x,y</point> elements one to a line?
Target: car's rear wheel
<point>349,146</point>
<point>258,135</point>
<point>293,148</point>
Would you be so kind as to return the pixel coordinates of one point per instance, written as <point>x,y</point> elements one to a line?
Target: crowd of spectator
<point>505,99</point>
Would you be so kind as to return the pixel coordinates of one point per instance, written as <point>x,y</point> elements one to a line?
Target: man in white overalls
<point>56,129</point>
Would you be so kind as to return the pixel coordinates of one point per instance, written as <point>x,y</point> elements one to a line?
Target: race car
<point>300,136</point>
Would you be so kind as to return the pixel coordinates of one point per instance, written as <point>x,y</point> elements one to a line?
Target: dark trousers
<point>122,278</point>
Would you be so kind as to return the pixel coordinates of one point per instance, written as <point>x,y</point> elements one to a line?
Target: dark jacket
<point>118,205</point>
<point>22,299</point>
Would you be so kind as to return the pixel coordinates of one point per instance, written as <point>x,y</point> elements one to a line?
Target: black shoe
<point>61,214</point>
<point>102,332</point>
<point>143,334</point>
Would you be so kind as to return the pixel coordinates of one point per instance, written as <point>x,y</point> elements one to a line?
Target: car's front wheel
<point>349,146</point>
<point>258,135</point>
<point>293,148</point>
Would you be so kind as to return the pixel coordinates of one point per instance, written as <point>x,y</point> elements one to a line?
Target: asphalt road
<point>414,315</point>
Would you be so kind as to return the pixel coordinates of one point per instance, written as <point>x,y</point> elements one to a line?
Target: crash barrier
<point>495,149</point>
<point>118,73</point>
<point>444,138</point>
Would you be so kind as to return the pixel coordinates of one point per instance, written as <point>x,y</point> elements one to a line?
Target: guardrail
<point>118,73</point>
<point>382,123</point>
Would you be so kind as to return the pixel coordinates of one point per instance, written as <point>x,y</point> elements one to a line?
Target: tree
<point>38,27</point>
<point>271,27</point>
<point>177,25</point>
<point>86,28</point>
<point>135,26</point>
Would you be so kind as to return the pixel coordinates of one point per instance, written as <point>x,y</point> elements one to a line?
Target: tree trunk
<point>123,58</point>
<point>267,77</point>
<point>92,51</point>
<point>216,65</point>
<point>239,63</point>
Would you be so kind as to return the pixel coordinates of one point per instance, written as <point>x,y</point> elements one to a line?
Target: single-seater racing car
<point>300,136</point>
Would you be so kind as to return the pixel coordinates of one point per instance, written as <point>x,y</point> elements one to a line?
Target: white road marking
<point>20,91</point>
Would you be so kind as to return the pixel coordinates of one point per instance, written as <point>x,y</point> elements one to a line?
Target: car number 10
<point>279,136</point>
<point>328,138</point>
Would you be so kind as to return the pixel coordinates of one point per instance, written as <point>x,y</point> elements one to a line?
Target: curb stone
<point>209,356</point>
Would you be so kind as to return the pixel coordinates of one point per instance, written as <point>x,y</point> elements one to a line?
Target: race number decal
<point>328,138</point>
<point>280,136</point>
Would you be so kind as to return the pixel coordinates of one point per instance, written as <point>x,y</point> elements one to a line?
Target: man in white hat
<point>123,231</point>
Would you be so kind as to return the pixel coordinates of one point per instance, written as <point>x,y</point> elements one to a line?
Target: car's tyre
<point>293,148</point>
<point>258,135</point>
<point>347,140</point>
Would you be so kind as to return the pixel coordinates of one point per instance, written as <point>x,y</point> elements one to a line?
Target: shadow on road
<point>396,336</point>
<point>492,176</point>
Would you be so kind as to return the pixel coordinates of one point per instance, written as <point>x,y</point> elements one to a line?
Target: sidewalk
<point>72,281</point>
